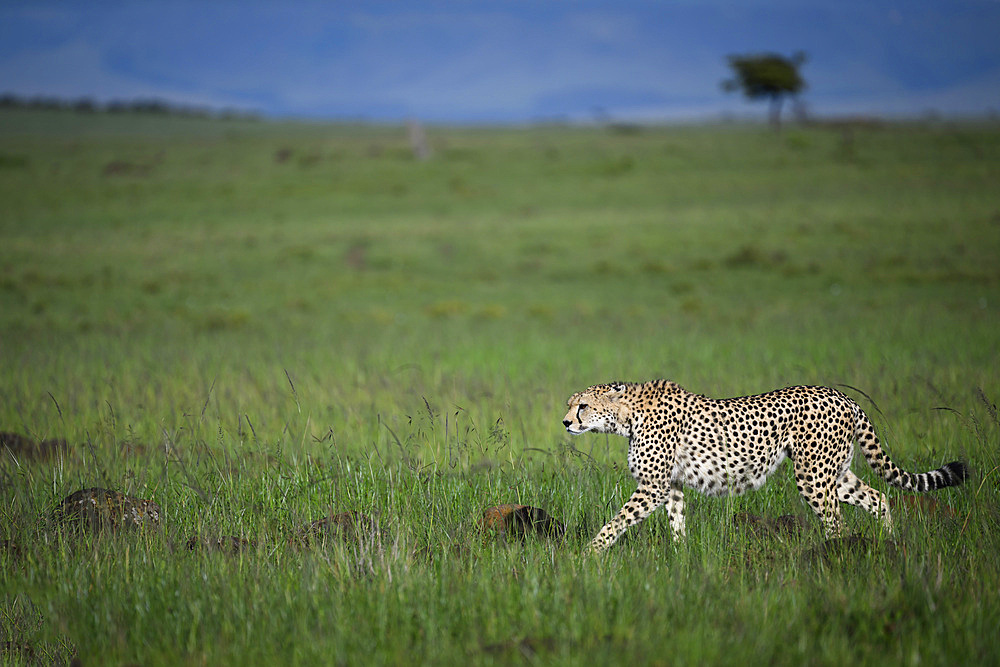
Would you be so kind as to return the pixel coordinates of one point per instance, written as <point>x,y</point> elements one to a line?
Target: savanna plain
<point>259,325</point>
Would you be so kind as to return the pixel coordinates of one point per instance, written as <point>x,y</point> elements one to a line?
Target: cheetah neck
<point>628,424</point>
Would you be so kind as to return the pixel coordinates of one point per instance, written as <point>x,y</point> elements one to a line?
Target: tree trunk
<point>775,113</point>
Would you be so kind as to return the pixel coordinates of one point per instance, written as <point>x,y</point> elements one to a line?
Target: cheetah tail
<point>951,474</point>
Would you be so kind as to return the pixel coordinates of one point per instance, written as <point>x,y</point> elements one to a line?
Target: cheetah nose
<point>566,423</point>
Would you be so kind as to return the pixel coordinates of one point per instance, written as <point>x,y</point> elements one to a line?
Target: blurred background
<point>502,62</point>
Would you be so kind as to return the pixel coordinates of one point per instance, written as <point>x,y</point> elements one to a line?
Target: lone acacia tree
<point>767,76</point>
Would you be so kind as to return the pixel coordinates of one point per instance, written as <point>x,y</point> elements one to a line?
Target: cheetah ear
<point>615,392</point>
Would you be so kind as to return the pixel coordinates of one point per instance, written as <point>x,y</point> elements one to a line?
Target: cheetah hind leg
<point>821,495</point>
<point>851,490</point>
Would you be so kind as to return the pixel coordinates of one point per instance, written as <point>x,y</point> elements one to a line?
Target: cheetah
<point>727,446</point>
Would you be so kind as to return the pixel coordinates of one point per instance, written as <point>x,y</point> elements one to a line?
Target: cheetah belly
<point>725,472</point>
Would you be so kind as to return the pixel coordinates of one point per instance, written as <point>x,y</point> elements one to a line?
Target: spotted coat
<point>728,446</point>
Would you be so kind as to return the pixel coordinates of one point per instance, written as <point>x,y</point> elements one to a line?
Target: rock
<point>100,509</point>
<point>520,521</point>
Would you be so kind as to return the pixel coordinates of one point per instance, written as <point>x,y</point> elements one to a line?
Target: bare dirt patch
<point>125,168</point>
<point>784,527</point>
<point>848,549</point>
<point>920,504</point>
<point>229,544</point>
<point>349,527</point>
<point>22,447</point>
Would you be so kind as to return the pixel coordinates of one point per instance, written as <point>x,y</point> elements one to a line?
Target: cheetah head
<point>599,408</point>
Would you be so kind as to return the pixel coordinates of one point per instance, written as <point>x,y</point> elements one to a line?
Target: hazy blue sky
<point>469,60</point>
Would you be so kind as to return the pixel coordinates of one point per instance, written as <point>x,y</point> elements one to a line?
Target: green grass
<point>255,324</point>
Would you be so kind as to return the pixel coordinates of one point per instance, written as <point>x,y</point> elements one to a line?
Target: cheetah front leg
<point>641,504</point>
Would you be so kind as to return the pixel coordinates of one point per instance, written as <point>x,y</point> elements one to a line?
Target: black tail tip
<point>957,472</point>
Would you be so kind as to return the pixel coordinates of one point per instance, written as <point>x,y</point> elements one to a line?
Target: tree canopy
<point>767,76</point>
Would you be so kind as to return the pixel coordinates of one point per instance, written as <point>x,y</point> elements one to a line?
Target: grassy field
<point>256,325</point>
